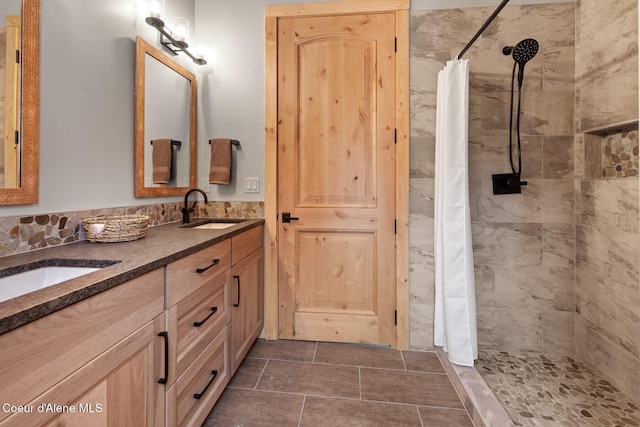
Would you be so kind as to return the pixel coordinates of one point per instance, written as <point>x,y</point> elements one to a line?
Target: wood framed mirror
<point>166,96</point>
<point>23,113</point>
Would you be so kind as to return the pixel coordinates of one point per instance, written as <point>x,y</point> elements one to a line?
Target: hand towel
<point>220,168</point>
<point>161,161</point>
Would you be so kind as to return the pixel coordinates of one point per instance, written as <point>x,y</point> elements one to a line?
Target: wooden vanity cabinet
<point>247,311</point>
<point>96,362</point>
<point>198,301</point>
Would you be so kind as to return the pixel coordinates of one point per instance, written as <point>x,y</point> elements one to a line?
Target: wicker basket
<point>116,228</point>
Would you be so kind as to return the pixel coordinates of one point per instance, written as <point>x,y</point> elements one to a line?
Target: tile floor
<point>301,383</point>
<point>544,390</point>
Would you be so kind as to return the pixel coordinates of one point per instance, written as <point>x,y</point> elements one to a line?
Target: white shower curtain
<point>455,309</point>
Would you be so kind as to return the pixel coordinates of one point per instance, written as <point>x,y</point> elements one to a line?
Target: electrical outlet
<point>204,184</point>
<point>252,185</point>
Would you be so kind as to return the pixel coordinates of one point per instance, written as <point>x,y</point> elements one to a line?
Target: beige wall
<point>607,235</point>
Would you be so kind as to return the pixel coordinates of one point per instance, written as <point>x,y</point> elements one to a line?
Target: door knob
<point>286,217</point>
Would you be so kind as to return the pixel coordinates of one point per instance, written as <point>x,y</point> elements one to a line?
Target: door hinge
<point>395,226</point>
<point>395,317</point>
<point>395,136</point>
<point>395,44</point>
<point>17,137</point>
<point>17,56</point>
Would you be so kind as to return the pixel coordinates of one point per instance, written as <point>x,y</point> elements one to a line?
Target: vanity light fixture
<point>174,41</point>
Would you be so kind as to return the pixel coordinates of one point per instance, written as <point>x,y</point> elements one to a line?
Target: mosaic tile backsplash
<point>23,234</point>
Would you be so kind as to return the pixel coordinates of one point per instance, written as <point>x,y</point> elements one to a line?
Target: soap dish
<point>109,229</point>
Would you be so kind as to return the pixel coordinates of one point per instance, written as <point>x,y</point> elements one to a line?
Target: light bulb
<point>156,8</point>
<point>180,29</point>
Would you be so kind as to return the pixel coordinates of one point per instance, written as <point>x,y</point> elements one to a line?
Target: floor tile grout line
<point>403,361</point>
<point>419,416</point>
<point>353,366</point>
<point>304,401</point>
<point>360,382</point>
<point>315,351</point>
<point>264,368</point>
<point>353,399</point>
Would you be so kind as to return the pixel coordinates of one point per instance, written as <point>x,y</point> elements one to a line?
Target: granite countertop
<point>162,245</point>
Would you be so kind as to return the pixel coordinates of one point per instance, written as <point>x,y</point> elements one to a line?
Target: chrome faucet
<point>186,210</point>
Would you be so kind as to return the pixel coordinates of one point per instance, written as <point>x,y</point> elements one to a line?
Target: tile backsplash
<point>22,234</point>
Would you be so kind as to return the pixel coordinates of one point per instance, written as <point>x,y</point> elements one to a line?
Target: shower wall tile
<point>579,150</point>
<point>558,244</point>
<point>557,157</point>
<point>532,156</point>
<point>607,62</point>
<point>541,201</point>
<point>608,282</point>
<point>421,271</point>
<point>513,244</point>
<point>421,196</point>
<point>490,71</point>
<point>550,24</point>
<point>611,204</point>
<point>422,115</point>
<point>444,30</point>
<point>422,157</point>
<point>533,287</point>
<point>543,113</point>
<point>516,330</point>
<point>558,330</point>
<point>488,155</point>
<point>595,347</point>
<point>424,68</point>
<point>559,69</point>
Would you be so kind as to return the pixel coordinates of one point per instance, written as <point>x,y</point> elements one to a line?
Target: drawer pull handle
<point>199,395</point>
<point>165,335</point>
<point>238,303</point>
<point>200,323</point>
<point>202,270</point>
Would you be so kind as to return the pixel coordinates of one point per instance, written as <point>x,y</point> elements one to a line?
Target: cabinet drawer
<point>245,243</point>
<point>200,317</point>
<point>198,380</point>
<point>192,272</point>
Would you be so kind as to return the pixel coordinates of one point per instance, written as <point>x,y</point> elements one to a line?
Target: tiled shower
<point>556,267</point>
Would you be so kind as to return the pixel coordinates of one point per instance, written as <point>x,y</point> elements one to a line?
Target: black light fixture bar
<point>168,41</point>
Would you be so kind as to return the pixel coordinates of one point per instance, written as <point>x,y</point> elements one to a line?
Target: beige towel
<point>161,160</point>
<point>220,169</point>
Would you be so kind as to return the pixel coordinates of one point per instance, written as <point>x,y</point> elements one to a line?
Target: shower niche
<point>611,152</point>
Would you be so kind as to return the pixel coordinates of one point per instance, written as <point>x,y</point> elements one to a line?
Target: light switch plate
<point>252,185</point>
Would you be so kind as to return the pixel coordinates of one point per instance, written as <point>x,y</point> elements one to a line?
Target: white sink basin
<point>32,280</point>
<point>215,225</point>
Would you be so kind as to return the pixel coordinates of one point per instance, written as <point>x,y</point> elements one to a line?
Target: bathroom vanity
<point>150,340</point>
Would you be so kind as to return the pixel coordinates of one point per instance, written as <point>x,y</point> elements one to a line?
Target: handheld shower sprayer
<point>522,53</point>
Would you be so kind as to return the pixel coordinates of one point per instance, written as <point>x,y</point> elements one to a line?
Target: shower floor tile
<point>541,390</point>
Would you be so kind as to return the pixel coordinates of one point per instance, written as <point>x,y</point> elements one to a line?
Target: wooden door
<point>336,174</point>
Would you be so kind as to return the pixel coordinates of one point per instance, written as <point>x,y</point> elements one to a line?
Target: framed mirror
<point>166,94</point>
<point>20,112</point>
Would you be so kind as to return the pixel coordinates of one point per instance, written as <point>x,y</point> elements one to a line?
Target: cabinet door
<point>118,388</point>
<point>247,298</point>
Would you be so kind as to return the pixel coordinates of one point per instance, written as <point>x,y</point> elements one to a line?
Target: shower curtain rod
<point>484,27</point>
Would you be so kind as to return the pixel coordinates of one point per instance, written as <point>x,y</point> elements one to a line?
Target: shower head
<point>525,51</point>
